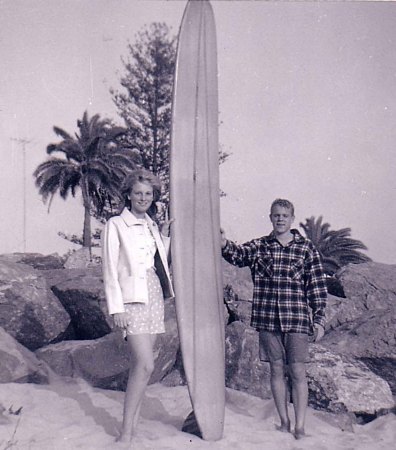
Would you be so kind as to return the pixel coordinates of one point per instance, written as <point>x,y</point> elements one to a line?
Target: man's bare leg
<point>300,397</point>
<point>280,393</point>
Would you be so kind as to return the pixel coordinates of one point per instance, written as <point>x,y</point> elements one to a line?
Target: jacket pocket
<point>134,290</point>
<point>264,266</point>
<point>296,270</point>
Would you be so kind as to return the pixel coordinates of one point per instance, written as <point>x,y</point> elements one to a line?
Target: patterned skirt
<point>147,318</point>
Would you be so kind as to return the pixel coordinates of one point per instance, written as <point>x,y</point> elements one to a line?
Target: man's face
<point>281,219</point>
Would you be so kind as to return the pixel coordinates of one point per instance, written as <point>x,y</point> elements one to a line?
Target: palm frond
<point>335,247</point>
<point>62,133</point>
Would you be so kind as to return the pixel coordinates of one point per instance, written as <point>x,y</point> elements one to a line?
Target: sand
<point>70,414</point>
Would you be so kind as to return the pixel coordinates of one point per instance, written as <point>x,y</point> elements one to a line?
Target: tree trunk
<point>87,229</point>
<point>87,240</point>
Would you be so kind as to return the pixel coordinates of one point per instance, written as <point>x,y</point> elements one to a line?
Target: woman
<point>136,279</point>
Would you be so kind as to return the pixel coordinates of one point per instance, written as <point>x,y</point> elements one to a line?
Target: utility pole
<point>22,142</point>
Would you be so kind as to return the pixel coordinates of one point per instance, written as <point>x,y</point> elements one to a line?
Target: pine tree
<point>145,105</point>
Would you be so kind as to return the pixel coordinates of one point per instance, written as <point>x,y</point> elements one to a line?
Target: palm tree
<point>93,160</point>
<point>336,247</point>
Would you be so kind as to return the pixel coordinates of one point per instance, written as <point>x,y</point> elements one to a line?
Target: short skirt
<point>147,318</point>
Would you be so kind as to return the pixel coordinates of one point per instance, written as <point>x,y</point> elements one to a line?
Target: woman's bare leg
<point>142,366</point>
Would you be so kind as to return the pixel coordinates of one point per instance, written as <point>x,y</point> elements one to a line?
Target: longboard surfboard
<point>194,204</point>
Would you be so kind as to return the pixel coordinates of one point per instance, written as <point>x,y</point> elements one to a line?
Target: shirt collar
<point>130,219</point>
<point>296,234</point>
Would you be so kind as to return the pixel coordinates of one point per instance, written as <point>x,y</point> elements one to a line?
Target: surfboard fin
<point>190,425</point>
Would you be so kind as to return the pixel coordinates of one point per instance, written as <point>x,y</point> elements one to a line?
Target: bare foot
<point>299,433</point>
<point>284,427</point>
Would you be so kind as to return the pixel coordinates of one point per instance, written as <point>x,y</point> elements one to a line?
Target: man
<point>288,280</point>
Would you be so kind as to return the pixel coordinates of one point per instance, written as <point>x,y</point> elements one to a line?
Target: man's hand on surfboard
<point>223,238</point>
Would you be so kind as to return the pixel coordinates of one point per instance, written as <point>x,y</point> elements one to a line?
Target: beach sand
<point>70,414</point>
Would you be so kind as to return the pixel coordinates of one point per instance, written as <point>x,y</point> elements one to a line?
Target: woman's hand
<point>120,320</point>
<point>165,228</point>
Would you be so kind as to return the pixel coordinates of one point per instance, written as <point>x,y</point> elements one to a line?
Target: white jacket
<point>124,281</point>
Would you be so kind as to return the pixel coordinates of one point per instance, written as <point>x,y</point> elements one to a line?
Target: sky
<point>307,105</point>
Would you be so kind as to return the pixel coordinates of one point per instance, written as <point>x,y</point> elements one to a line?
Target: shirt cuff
<point>320,321</point>
<point>225,248</point>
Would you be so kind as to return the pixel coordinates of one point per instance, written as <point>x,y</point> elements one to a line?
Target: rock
<point>80,259</point>
<point>167,345</point>
<point>35,260</point>
<point>363,324</point>
<point>236,309</point>
<point>337,384</point>
<point>333,306</point>
<point>244,311</point>
<point>104,362</point>
<point>82,295</point>
<point>177,376</point>
<point>3,418</point>
<point>334,287</point>
<point>370,338</point>
<point>344,421</point>
<point>29,311</point>
<point>19,365</point>
<point>244,370</point>
<point>239,278</point>
<point>340,384</point>
<point>42,262</point>
<point>367,286</point>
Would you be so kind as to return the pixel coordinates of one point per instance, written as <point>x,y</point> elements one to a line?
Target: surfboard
<point>194,204</point>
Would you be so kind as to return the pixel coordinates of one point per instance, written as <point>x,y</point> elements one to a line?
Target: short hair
<point>284,204</point>
<point>141,176</point>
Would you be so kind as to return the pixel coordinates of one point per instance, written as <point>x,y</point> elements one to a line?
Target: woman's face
<point>142,196</point>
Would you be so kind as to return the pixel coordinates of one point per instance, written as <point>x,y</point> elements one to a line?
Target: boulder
<point>18,364</point>
<point>29,311</point>
<point>35,260</point>
<point>104,362</point>
<point>341,384</point>
<point>337,383</point>
<point>366,286</point>
<point>370,338</point>
<point>82,295</point>
<point>43,262</point>
<point>334,287</point>
<point>333,307</point>
<point>244,370</point>
<point>167,345</point>
<point>363,324</point>
<point>81,259</point>
<point>236,309</point>
<point>239,278</point>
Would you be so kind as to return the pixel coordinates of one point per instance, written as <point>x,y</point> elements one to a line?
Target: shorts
<point>291,347</point>
<point>147,318</point>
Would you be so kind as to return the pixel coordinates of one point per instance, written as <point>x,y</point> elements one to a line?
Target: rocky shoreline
<point>53,319</point>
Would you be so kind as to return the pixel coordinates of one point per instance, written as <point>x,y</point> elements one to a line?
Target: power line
<point>22,142</point>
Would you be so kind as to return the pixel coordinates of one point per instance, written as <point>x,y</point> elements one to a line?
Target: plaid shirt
<point>286,280</point>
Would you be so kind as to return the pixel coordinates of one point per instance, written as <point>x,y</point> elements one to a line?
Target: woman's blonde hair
<point>141,176</point>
